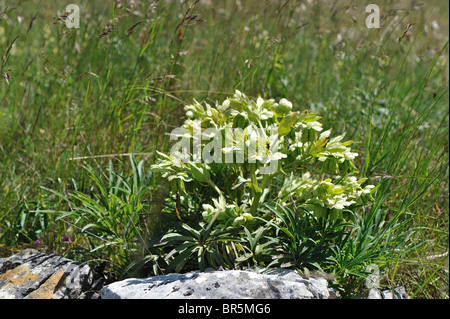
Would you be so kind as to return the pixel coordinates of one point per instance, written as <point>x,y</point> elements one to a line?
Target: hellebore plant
<point>238,147</point>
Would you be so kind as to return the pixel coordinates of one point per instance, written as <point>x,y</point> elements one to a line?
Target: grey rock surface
<point>230,284</point>
<point>33,275</point>
<point>396,293</point>
<point>30,274</point>
<point>374,293</point>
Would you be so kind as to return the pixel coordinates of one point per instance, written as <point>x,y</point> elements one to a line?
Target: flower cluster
<point>323,196</point>
<point>252,141</point>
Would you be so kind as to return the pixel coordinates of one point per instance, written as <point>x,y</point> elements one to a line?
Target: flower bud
<point>285,104</point>
<point>282,108</point>
<point>225,105</point>
<point>190,114</point>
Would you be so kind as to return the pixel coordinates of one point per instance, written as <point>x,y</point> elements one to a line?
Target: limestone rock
<point>374,293</point>
<point>230,284</point>
<point>30,274</point>
<point>397,293</point>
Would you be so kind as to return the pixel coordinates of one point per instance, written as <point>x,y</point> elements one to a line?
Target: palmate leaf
<point>186,229</point>
<point>178,262</point>
<point>215,255</point>
<point>201,258</point>
<point>211,223</point>
<point>205,243</point>
<point>250,239</point>
<point>173,237</point>
<point>244,257</point>
<point>223,236</point>
<point>136,265</point>
<point>287,232</point>
<point>180,249</point>
<point>199,172</point>
<point>318,146</point>
<point>287,123</point>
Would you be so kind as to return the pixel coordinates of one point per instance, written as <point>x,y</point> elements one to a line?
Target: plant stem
<point>258,195</point>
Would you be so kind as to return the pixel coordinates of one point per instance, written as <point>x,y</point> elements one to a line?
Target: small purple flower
<point>66,239</point>
<point>37,243</point>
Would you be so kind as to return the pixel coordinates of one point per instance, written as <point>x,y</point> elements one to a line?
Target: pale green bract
<point>318,170</point>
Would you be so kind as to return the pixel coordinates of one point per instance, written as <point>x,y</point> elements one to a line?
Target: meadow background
<point>117,85</point>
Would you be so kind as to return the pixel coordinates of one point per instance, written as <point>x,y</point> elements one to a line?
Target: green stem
<point>217,189</point>
<point>253,179</point>
<point>258,195</point>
